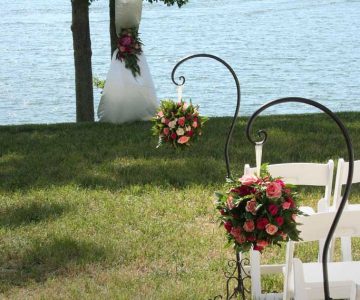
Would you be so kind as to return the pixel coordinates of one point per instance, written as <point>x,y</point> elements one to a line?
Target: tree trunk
<point>82,55</point>
<point>113,35</point>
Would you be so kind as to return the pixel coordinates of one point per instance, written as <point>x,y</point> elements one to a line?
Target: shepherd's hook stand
<point>238,275</point>
<point>263,134</point>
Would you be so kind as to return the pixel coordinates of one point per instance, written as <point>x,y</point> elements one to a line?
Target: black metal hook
<point>229,136</point>
<point>346,135</point>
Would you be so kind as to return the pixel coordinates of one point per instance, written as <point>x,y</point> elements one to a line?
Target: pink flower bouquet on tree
<point>259,212</point>
<point>178,124</point>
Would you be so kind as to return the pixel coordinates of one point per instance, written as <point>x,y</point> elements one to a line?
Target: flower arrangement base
<point>235,277</point>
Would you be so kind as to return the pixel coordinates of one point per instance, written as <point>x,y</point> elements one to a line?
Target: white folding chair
<point>305,280</point>
<point>308,174</point>
<point>341,178</point>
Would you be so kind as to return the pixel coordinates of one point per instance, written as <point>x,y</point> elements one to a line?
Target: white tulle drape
<point>126,98</point>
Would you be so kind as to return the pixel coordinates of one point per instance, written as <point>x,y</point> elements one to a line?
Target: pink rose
<point>241,239</point>
<point>273,209</point>
<point>160,114</point>
<point>181,121</point>
<point>261,223</point>
<point>126,41</point>
<point>249,226</point>
<point>286,205</point>
<point>235,232</point>
<point>291,201</point>
<point>167,121</point>
<point>194,124</point>
<point>248,179</point>
<point>283,235</point>
<point>183,140</point>
<point>279,220</point>
<point>251,206</point>
<point>271,229</point>
<point>230,203</point>
<point>262,243</point>
<point>166,131</point>
<point>273,190</point>
<point>228,226</point>
<point>163,120</point>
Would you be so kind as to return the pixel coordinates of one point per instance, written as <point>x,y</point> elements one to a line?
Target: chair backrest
<point>341,178</point>
<point>315,228</point>
<point>311,174</point>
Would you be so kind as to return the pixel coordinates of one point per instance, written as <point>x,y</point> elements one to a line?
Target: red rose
<point>190,133</point>
<point>279,220</point>
<point>173,136</point>
<point>222,212</point>
<point>243,190</point>
<point>273,209</point>
<point>251,238</point>
<point>228,226</point>
<point>241,239</point>
<point>258,248</point>
<point>261,223</point>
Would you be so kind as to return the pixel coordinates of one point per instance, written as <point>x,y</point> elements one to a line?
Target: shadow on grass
<point>109,156</point>
<point>48,259</point>
<point>31,213</point>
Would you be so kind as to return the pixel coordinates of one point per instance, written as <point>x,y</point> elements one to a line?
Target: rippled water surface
<point>278,48</point>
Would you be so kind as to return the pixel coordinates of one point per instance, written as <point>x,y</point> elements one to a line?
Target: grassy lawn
<point>94,211</point>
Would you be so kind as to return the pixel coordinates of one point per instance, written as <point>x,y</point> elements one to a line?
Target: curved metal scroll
<point>263,134</point>
<point>182,78</point>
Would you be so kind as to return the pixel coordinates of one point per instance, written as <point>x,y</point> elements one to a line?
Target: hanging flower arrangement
<point>259,212</point>
<point>178,124</point>
<point>130,47</point>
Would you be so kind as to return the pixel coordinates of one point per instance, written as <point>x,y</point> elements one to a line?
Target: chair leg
<point>255,274</point>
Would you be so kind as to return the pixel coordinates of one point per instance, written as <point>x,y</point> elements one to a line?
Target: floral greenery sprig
<point>259,212</point>
<point>177,124</point>
<point>130,47</point>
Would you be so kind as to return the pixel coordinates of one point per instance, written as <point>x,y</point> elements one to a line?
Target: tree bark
<point>113,35</point>
<point>82,56</point>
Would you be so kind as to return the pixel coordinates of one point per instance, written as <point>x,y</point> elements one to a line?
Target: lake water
<point>278,48</point>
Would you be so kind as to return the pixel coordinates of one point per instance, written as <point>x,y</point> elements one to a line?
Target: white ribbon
<point>258,155</point>
<point>180,92</point>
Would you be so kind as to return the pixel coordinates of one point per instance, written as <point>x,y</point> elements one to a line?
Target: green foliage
<point>171,2</point>
<point>167,2</point>
<point>99,83</point>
